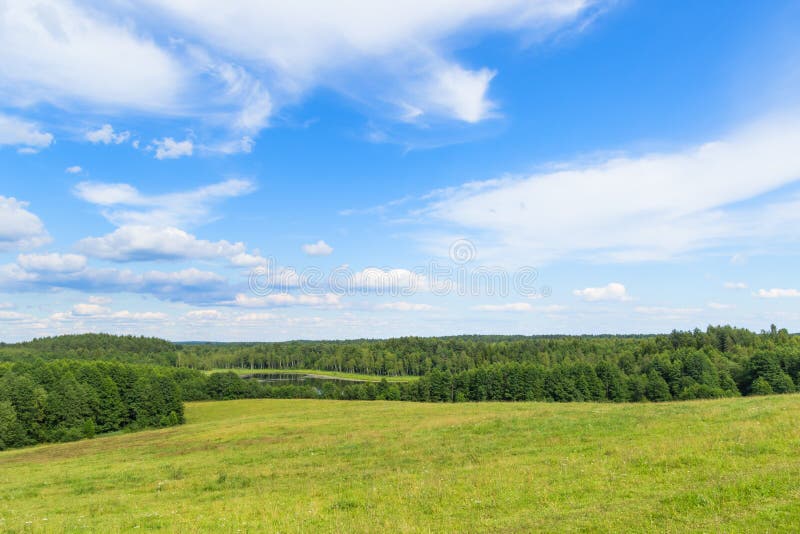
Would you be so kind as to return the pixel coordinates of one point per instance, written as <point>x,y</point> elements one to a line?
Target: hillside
<point>324,466</point>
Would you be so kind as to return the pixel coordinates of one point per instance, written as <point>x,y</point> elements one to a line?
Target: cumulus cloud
<point>93,312</point>
<point>188,285</point>
<point>287,299</point>
<point>385,281</point>
<point>320,248</point>
<point>649,207</point>
<point>203,315</point>
<point>106,135</point>
<point>611,291</point>
<point>52,262</point>
<point>777,293</point>
<point>12,316</point>
<point>19,228</point>
<point>24,134</point>
<point>404,306</point>
<point>244,259</point>
<point>255,317</point>
<point>75,169</point>
<point>513,307</point>
<point>84,309</point>
<point>169,148</point>
<point>144,243</point>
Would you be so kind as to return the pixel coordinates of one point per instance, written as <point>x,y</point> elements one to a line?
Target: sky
<point>262,171</point>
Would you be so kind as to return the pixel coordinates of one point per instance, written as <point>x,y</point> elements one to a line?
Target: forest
<point>65,400</point>
<point>69,387</point>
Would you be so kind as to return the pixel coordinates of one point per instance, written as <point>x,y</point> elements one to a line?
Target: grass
<point>314,372</point>
<point>324,466</point>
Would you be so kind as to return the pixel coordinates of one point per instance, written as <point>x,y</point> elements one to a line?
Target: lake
<point>300,379</point>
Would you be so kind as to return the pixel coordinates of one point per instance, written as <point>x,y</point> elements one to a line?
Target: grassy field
<point>314,372</point>
<point>325,466</point>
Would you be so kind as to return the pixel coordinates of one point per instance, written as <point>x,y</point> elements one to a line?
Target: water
<point>285,379</point>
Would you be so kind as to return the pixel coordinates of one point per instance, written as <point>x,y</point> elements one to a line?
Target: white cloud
<point>58,52</point>
<point>777,293</point>
<point>513,306</point>
<point>385,280</point>
<point>139,316</point>
<point>391,51</point>
<point>13,316</point>
<point>19,228</point>
<point>320,248</point>
<point>652,207</point>
<point>185,278</point>
<point>99,300</point>
<point>123,204</point>
<point>244,259</point>
<point>286,299</point>
<point>75,169</point>
<point>95,312</point>
<point>143,243</point>
<point>456,92</point>
<point>106,135</point>
<point>735,285</point>
<point>53,262</point>
<point>404,306</point>
<point>84,309</point>
<point>203,315</point>
<point>169,148</point>
<point>255,317</point>
<point>611,291</point>
<point>21,133</point>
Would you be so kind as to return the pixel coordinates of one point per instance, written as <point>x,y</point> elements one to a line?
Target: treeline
<point>130,349</point>
<point>415,356</point>
<point>685,374</point>
<point>65,400</point>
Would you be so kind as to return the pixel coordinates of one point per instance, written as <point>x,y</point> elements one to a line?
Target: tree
<point>9,428</point>
<point>657,389</point>
<point>760,386</point>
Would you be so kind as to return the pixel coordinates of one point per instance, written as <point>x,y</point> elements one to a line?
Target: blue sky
<point>251,171</point>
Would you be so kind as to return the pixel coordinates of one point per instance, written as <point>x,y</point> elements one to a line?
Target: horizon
<point>762,331</point>
<point>595,167</point>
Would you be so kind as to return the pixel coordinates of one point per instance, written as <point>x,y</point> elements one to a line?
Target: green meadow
<point>359,377</point>
<point>729,465</point>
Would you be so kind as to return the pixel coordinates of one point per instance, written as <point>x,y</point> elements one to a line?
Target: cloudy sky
<point>249,170</point>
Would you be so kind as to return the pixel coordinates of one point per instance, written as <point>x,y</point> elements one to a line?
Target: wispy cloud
<point>123,204</point>
<point>651,207</point>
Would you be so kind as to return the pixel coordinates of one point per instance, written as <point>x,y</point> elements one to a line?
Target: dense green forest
<point>67,387</point>
<point>66,400</point>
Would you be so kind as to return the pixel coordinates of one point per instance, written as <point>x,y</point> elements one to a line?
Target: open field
<point>313,372</point>
<point>327,466</point>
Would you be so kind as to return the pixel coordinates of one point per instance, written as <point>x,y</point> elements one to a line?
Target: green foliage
<point>65,400</point>
<point>657,389</point>
<point>760,386</point>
